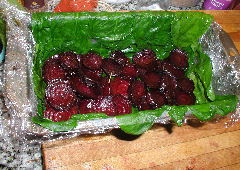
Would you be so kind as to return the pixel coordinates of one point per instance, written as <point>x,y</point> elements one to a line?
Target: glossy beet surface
<point>111,68</point>
<point>152,79</point>
<point>183,98</point>
<point>169,69</point>
<point>119,86</point>
<point>129,72</point>
<point>137,90</point>
<point>156,99</point>
<point>60,95</point>
<point>92,61</point>
<point>52,69</point>
<point>119,57</point>
<point>179,58</point>
<point>185,84</point>
<point>145,58</point>
<point>60,115</point>
<point>82,89</point>
<point>69,60</point>
<point>103,104</point>
<point>88,83</point>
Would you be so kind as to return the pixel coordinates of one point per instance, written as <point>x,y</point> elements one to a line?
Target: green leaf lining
<point>131,32</point>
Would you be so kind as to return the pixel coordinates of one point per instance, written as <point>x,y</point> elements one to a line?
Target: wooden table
<point>208,146</point>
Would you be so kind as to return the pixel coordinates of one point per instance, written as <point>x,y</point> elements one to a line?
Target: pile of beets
<point>80,84</point>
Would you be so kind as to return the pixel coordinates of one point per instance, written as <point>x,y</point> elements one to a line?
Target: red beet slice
<point>79,59</point>
<point>152,79</point>
<point>168,85</point>
<point>158,66</point>
<point>183,98</point>
<point>119,86</point>
<point>57,116</point>
<point>141,71</point>
<point>129,72</point>
<point>179,58</point>
<point>60,95</point>
<point>185,84</point>
<point>83,89</point>
<point>145,58</point>
<point>104,86</point>
<point>119,57</point>
<point>52,70</point>
<point>169,69</point>
<point>94,75</point>
<point>137,89</point>
<point>103,104</point>
<point>156,99</point>
<point>111,68</point>
<point>92,61</point>
<point>69,60</point>
<point>86,106</point>
<point>122,105</point>
<point>143,104</point>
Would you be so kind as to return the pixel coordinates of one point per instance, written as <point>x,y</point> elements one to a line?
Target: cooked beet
<point>137,89</point>
<point>152,79</point>
<point>92,61</point>
<point>103,104</point>
<point>168,82</point>
<point>185,84</point>
<point>86,106</point>
<point>169,69</point>
<point>179,58</point>
<point>183,98</point>
<point>129,72</point>
<point>143,104</point>
<point>69,60</point>
<point>119,86</point>
<point>94,75</point>
<point>140,71</point>
<point>79,59</point>
<point>168,86</point>
<point>155,98</point>
<point>119,57</point>
<point>122,105</point>
<point>104,86</point>
<point>52,70</point>
<point>82,88</point>
<point>158,66</point>
<point>60,95</point>
<point>60,115</point>
<point>111,68</point>
<point>89,84</point>
<point>145,58</point>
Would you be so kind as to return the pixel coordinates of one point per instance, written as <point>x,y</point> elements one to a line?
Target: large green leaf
<point>138,123</point>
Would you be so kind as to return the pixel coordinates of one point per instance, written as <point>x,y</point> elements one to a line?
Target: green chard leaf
<point>104,32</point>
<point>137,123</point>
<point>56,126</point>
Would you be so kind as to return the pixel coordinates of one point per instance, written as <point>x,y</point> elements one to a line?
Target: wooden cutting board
<point>194,146</point>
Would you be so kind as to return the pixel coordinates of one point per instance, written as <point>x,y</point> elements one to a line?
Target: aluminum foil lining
<point>120,5</point>
<point>21,103</point>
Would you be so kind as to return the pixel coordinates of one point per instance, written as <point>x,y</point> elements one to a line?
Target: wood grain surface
<point>195,146</point>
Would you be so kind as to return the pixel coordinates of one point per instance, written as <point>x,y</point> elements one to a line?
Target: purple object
<point>217,4</point>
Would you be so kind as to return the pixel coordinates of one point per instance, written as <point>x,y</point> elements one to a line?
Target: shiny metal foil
<point>21,102</point>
